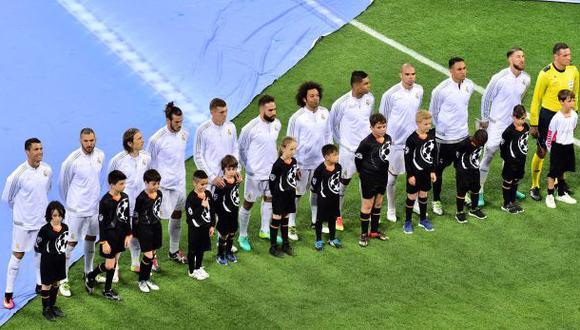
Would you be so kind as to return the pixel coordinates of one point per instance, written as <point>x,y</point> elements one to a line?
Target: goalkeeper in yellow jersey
<point>551,80</point>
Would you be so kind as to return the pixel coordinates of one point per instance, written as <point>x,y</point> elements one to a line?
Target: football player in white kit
<point>349,123</point>
<point>258,152</point>
<point>26,192</point>
<point>80,189</point>
<point>400,105</point>
<point>309,126</point>
<point>505,90</point>
<point>215,139</point>
<point>167,150</point>
<point>133,161</point>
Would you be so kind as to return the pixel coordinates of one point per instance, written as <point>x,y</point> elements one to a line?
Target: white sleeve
<point>292,129</point>
<point>385,105</point>
<point>152,149</point>
<point>200,163</point>
<point>420,98</point>
<point>334,120</point>
<point>489,95</point>
<point>10,189</point>
<point>244,143</point>
<point>65,178</point>
<point>435,104</point>
<point>236,146</point>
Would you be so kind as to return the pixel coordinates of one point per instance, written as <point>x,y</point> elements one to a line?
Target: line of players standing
<point>403,134</point>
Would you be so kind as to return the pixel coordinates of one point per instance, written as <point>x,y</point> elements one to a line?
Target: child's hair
<point>422,115</point>
<point>151,176</point>
<point>229,161</point>
<point>54,205</point>
<point>480,137</point>
<point>199,175</point>
<point>285,143</point>
<point>377,118</point>
<point>565,94</point>
<point>329,149</point>
<point>116,176</point>
<point>519,111</point>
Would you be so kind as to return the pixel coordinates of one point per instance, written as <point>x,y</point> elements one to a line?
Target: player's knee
<point>267,199</point>
<point>90,238</point>
<point>247,205</point>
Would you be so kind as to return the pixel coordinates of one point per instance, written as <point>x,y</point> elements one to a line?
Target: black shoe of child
<point>90,284</point>
<point>275,252</point>
<point>288,250</point>
<point>57,311</point>
<point>111,295</point>
<point>48,314</point>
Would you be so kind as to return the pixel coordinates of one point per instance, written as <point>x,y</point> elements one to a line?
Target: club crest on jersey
<point>45,173</point>
<point>571,84</point>
<point>334,183</point>
<point>368,102</point>
<point>101,217</point>
<point>384,151</point>
<point>189,211</point>
<point>272,177</point>
<point>523,143</point>
<point>183,136</point>
<point>122,210</point>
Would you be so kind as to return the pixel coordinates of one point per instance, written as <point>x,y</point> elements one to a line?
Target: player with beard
<point>133,162</point>
<point>80,189</point>
<point>309,126</point>
<point>420,155</point>
<point>257,155</point>
<point>114,232</point>
<point>505,90</point>
<point>349,118</point>
<point>400,105</point>
<point>26,192</point>
<point>167,149</point>
<point>372,164</point>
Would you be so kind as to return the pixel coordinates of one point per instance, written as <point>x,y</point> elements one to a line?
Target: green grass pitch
<point>515,271</point>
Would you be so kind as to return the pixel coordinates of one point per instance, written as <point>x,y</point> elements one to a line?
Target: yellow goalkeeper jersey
<point>549,83</point>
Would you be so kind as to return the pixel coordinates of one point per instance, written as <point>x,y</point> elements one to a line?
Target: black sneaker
<point>90,284</point>
<point>276,252</point>
<point>48,314</point>
<point>460,217</point>
<point>57,311</point>
<point>535,194</point>
<point>38,289</point>
<point>111,295</point>
<point>178,257</point>
<point>288,250</point>
<point>509,208</point>
<point>477,213</point>
<point>364,240</point>
<point>517,207</point>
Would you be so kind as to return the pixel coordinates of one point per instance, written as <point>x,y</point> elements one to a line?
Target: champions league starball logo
<point>426,151</point>
<point>122,210</point>
<point>60,244</point>
<point>205,215</point>
<point>235,196</point>
<point>334,183</point>
<point>523,143</point>
<point>474,157</point>
<point>384,151</point>
<point>157,208</point>
<point>291,177</point>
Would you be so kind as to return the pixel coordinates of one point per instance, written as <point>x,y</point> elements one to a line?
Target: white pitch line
<point>120,47</point>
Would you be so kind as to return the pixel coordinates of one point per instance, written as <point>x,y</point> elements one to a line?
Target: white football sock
<point>244,220</point>
<point>174,234</point>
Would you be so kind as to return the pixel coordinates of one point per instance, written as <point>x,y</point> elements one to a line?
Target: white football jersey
<point>258,150</point>
<point>212,143</point>
<point>400,106</point>
<point>167,150</point>
<point>349,119</point>
<point>311,131</point>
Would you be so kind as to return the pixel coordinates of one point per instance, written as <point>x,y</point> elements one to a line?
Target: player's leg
<point>18,238</point>
<point>346,160</point>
